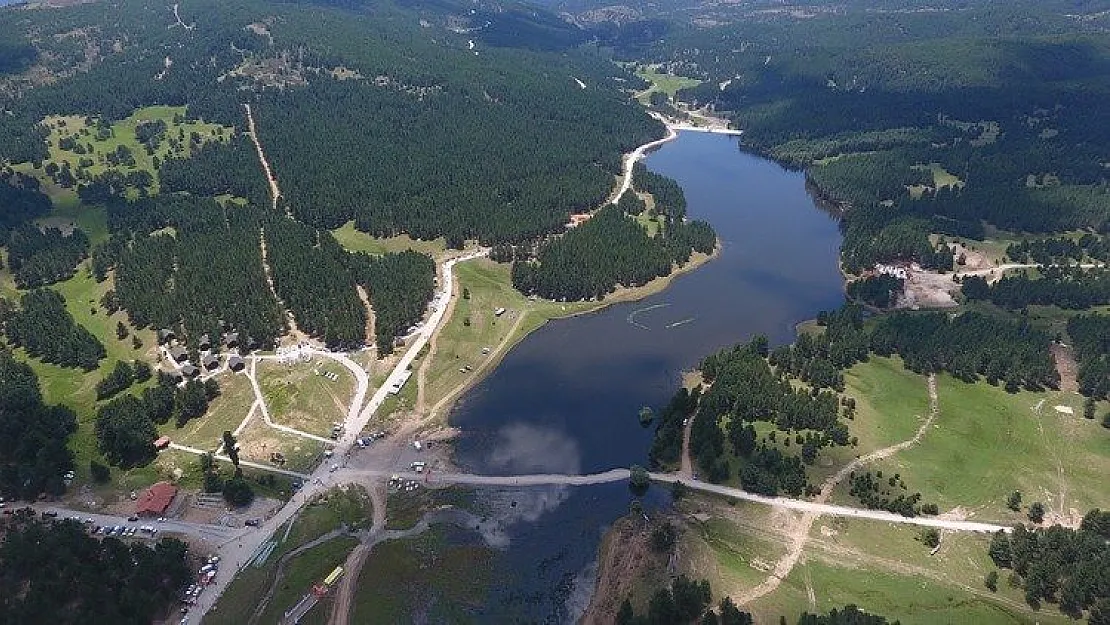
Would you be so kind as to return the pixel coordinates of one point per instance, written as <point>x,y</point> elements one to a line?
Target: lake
<point>566,399</point>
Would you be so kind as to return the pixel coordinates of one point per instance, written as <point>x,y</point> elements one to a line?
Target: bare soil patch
<point>1066,367</point>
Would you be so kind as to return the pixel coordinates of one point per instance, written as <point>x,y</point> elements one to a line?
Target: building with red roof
<point>156,499</point>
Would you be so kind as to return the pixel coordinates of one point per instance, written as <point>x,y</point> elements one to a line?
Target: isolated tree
<point>1013,502</point>
<point>663,538</point>
<point>731,615</point>
<point>1089,408</point>
<point>991,581</point>
<point>100,473</point>
<point>121,330</point>
<point>466,293</point>
<point>231,448</point>
<point>238,492</point>
<point>1036,512</point>
<point>930,537</point>
<point>638,480</point>
<point>679,490</point>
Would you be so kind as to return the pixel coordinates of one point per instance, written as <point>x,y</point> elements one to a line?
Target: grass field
<point>299,395</point>
<point>226,412</point>
<point>307,568</point>
<point>473,326</point>
<point>987,443</point>
<point>349,506</point>
<point>355,241</point>
<point>669,84</point>
<point>424,575</point>
<point>880,567</point>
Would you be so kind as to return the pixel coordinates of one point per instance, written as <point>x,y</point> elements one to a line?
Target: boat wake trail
<point>632,315</point>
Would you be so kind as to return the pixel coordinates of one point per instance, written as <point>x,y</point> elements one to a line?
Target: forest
<point>400,285</point>
<point>1090,336</point>
<point>910,122</point>
<point>1071,287</point>
<point>42,326</point>
<point>41,257</point>
<point>57,573</point>
<point>1066,567</point>
<point>126,426</point>
<point>607,251</point>
<point>33,453</point>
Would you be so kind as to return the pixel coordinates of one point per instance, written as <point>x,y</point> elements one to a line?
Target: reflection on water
<point>566,399</point>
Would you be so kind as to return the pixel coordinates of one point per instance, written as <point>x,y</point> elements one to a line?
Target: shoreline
<point>436,421</point>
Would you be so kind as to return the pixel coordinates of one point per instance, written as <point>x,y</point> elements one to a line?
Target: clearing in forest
<point>306,396</point>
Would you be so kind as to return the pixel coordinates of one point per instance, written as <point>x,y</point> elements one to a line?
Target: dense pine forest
<point>33,453</point>
<point>57,573</point>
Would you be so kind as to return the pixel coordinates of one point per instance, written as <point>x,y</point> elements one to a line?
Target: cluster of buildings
<point>209,361</point>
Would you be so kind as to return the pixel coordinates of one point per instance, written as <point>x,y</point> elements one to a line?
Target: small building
<point>179,353</point>
<point>165,335</point>
<point>231,339</point>
<point>189,371</point>
<point>162,442</point>
<point>396,386</point>
<point>236,363</point>
<point>253,343</point>
<point>204,342</point>
<point>156,500</point>
<point>210,362</point>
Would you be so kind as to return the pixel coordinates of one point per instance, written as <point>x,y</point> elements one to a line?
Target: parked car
<point>252,522</point>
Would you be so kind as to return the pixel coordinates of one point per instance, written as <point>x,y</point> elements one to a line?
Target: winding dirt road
<point>800,534</point>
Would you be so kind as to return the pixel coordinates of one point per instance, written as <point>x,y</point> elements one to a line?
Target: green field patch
<point>663,82</point>
<point>225,413</point>
<point>307,396</point>
<point>355,241</point>
<point>986,443</point>
<point>906,597</point>
<point>653,224</point>
<point>424,575</point>
<point>301,572</point>
<point>96,141</point>
<point>941,176</point>
<point>469,340</point>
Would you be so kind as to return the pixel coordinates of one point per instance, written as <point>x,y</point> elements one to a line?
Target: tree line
<point>42,326</point>
<point>1069,287</point>
<point>126,426</point>
<point>1068,567</point>
<point>33,435</point>
<point>608,250</point>
<point>57,573</point>
<point>400,285</point>
<point>41,257</point>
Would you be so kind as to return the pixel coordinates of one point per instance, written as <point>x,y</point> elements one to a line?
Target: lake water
<point>566,399</point>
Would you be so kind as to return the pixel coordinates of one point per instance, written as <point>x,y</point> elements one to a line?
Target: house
<point>210,362</point>
<point>231,339</point>
<point>204,342</point>
<point>156,500</point>
<point>253,343</point>
<point>165,335</point>
<point>179,353</point>
<point>162,442</point>
<point>236,363</point>
<point>189,371</point>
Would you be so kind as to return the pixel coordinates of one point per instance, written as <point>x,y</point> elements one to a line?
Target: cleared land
<point>177,141</point>
<point>669,84</point>
<point>302,395</point>
<point>355,241</point>
<point>259,440</point>
<point>881,568</point>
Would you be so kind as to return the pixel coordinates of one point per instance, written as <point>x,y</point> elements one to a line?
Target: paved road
<point>237,552</point>
<point>616,475</point>
<point>217,533</point>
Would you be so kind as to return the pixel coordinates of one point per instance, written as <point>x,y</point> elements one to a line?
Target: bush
<point>238,492</point>
<point>100,473</point>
